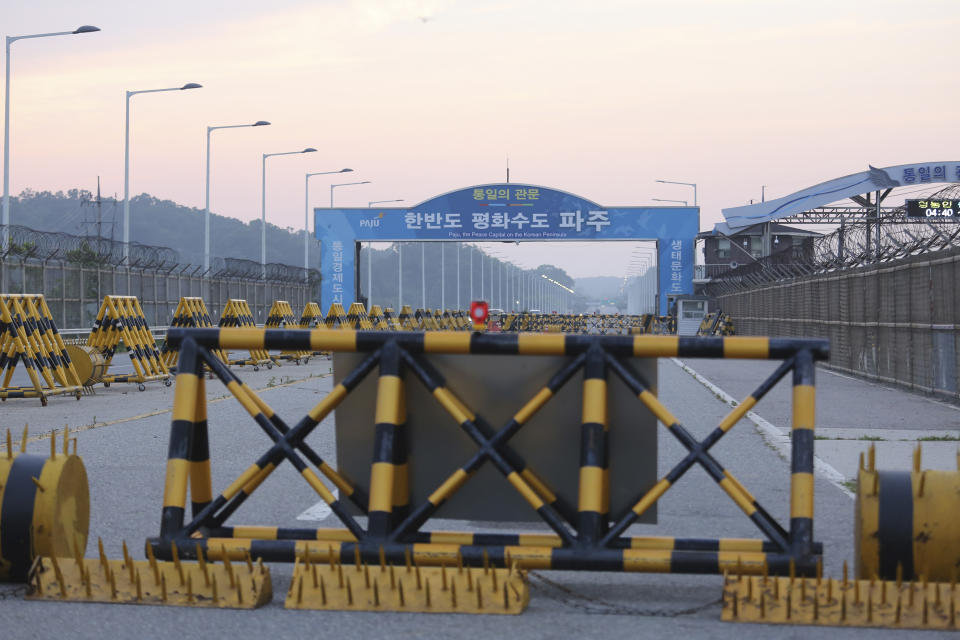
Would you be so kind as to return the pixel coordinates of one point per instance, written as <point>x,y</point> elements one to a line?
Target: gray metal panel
<point>495,387</point>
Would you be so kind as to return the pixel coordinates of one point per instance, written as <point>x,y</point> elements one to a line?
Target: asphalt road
<point>122,436</point>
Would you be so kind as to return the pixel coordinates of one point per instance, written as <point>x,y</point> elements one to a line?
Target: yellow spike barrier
<point>840,603</point>
<point>321,582</point>
<point>205,584</point>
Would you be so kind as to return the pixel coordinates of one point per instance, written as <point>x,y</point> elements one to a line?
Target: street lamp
<point>206,209</point>
<point>126,161</point>
<point>263,205</point>
<point>688,184</point>
<point>370,257</point>
<point>666,200</point>
<point>343,184</point>
<point>6,121</point>
<point>306,216</point>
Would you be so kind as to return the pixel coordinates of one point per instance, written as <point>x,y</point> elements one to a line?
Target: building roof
<point>776,229</point>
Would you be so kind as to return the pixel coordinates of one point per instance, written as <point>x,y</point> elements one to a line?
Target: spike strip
<point>841,603</point>
<point>180,583</point>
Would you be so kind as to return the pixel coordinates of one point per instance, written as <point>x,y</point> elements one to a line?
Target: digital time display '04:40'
<point>939,208</point>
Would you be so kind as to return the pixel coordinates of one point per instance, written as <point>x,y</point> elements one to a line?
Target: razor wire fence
<point>894,322</point>
<point>74,273</point>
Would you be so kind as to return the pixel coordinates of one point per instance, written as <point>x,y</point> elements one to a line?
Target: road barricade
<point>281,317</point>
<point>716,323</point>
<point>121,319</point>
<point>336,317</point>
<point>425,320</point>
<point>312,316</point>
<point>586,533</point>
<point>357,317</point>
<point>191,312</point>
<point>391,321</point>
<point>237,313</point>
<point>405,319</point>
<point>28,335</point>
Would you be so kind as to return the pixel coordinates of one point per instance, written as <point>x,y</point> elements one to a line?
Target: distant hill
<point>156,222</point>
<point>599,287</point>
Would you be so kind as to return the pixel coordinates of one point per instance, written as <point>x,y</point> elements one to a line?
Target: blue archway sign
<point>496,212</point>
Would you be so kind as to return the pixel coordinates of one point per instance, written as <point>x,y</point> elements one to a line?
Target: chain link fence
<point>894,322</point>
<point>75,273</point>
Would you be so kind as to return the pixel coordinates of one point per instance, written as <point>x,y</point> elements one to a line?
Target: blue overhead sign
<point>513,212</point>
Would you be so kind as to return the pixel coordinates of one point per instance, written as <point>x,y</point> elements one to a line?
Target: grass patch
<point>851,485</point>
<point>939,439</point>
<point>816,437</point>
<point>871,438</point>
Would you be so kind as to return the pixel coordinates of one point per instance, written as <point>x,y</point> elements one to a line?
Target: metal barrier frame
<point>582,538</point>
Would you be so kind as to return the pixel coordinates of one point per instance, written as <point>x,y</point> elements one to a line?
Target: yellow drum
<point>44,510</point>
<point>909,519</point>
<point>91,365</point>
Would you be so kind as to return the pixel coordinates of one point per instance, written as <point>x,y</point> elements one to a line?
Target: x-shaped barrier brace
<point>582,537</point>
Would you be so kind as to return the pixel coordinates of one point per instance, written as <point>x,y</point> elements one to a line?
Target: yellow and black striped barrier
<point>584,537</point>
<point>191,312</point>
<point>28,335</point>
<point>312,316</point>
<point>281,317</point>
<point>237,313</point>
<point>716,323</point>
<point>121,319</point>
<point>336,317</point>
<point>357,317</point>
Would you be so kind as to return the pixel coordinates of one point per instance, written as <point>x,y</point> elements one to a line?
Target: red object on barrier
<point>478,313</point>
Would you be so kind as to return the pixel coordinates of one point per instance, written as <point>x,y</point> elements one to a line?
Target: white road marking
<point>319,511</point>
<point>773,435</point>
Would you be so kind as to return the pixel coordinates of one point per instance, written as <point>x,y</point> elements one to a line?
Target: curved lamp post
<point>687,184</point>
<point>6,120</point>
<point>126,162</point>
<point>206,208</point>
<point>263,205</point>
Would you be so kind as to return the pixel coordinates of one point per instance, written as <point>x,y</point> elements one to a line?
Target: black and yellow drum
<point>910,520</point>
<point>90,363</point>
<point>44,510</point>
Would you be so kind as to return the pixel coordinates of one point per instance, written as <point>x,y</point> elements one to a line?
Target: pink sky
<point>596,98</point>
